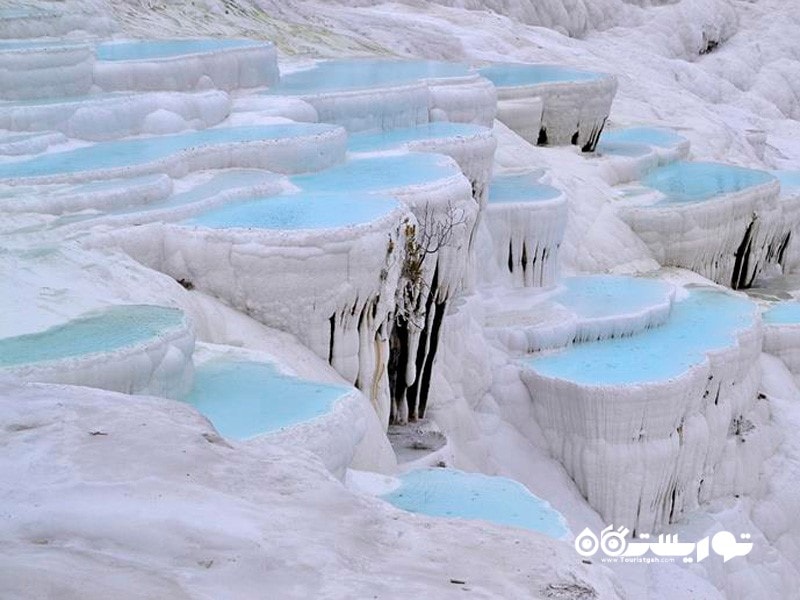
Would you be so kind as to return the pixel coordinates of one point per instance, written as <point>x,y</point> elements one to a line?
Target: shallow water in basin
<point>597,296</point>
<point>698,181</point>
<point>649,136</point>
<point>519,74</point>
<point>705,320</point>
<point>354,74</point>
<point>379,173</point>
<point>122,153</point>
<point>366,142</point>
<point>782,313</point>
<point>303,210</point>
<point>455,494</point>
<point>104,331</point>
<point>520,188</point>
<point>243,399</point>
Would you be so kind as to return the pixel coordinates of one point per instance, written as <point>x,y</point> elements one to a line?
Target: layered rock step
<point>37,69</point>
<point>580,309</point>
<point>786,250</point>
<point>526,222</point>
<point>251,399</point>
<point>782,333</point>
<point>382,94</point>
<point>135,349</point>
<point>283,148</point>
<point>106,116</point>
<point>552,105</point>
<point>454,494</point>
<point>637,150</point>
<point>652,425</point>
<point>718,220</point>
<point>323,266</point>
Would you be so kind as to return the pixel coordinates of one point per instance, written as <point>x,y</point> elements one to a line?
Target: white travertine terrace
<point>145,350</point>
<point>197,65</point>
<point>526,222</point>
<point>283,148</point>
<point>647,441</point>
<point>574,104</point>
<point>100,117</point>
<point>717,220</point>
<point>340,312</point>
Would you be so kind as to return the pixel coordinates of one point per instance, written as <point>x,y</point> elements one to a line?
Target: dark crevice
<point>742,258</point>
<point>330,345</point>
<point>524,259</point>
<point>782,248</point>
<point>591,143</point>
<point>510,256</point>
<point>672,504</point>
<point>542,141</point>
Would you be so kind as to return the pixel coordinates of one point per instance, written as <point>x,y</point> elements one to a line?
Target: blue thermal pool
<point>225,181</point>
<point>455,494</point>
<point>303,210</point>
<point>108,330</point>
<point>154,49</point>
<point>355,74</point>
<point>698,181</point>
<point>521,74</point>
<point>520,188</point>
<point>379,173</point>
<point>790,180</point>
<point>244,399</point>
<point>123,153</point>
<point>648,136</point>
<point>782,313</point>
<point>598,296</point>
<point>373,142</point>
<point>704,321</point>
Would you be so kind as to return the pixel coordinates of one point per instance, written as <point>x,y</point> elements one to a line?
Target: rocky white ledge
<point>100,117</point>
<point>782,333</point>
<point>786,250</point>
<point>574,104</point>
<point>251,398</point>
<point>270,506</point>
<point>36,69</point>
<point>323,267</point>
<point>283,148</point>
<point>629,154</point>
<point>581,309</point>
<point>526,222</point>
<point>717,220</point>
<point>184,64</point>
<point>471,146</point>
<point>374,94</point>
<point>134,349</point>
<point>650,426</point>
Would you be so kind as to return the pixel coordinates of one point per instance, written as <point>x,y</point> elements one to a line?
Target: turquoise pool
<point>455,494</point>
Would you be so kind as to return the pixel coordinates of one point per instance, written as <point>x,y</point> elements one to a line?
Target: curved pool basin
<point>244,399</point>
<point>358,74</point>
<point>456,494</point>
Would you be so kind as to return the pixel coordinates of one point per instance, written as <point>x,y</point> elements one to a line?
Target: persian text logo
<point>616,547</point>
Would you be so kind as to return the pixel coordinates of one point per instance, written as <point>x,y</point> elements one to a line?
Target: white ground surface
<point>222,520</point>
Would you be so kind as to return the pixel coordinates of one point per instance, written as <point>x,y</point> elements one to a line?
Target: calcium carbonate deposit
<point>365,299</point>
